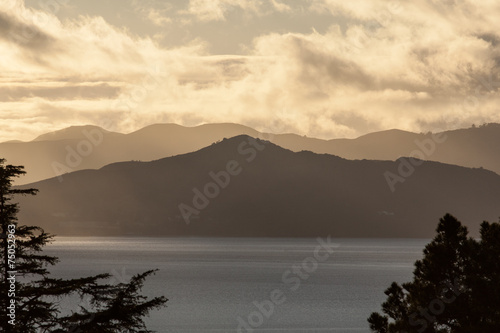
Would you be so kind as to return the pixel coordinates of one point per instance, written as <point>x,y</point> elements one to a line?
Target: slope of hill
<point>243,187</point>
<point>473,147</point>
<point>73,133</point>
<point>90,147</point>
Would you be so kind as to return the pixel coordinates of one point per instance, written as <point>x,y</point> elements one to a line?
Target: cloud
<point>82,91</point>
<point>158,13</point>
<point>415,66</point>
<point>24,34</point>
<point>158,18</point>
<point>206,10</point>
<point>280,6</point>
<point>217,10</point>
<point>391,70</point>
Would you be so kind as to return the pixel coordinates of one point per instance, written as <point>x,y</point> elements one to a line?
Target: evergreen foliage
<point>112,308</point>
<point>455,288</point>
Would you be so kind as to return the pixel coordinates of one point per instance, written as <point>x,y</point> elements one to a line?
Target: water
<point>212,284</point>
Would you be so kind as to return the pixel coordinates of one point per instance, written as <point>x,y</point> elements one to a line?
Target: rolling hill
<point>247,187</point>
<point>90,147</point>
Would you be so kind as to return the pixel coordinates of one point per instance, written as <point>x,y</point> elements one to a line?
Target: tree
<point>455,288</point>
<point>29,296</point>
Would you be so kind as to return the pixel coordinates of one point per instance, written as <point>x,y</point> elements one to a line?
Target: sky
<point>321,68</point>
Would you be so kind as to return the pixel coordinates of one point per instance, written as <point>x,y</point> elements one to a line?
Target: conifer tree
<point>455,288</point>
<point>29,296</point>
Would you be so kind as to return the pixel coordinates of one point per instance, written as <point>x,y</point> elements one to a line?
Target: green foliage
<point>455,288</point>
<point>112,308</point>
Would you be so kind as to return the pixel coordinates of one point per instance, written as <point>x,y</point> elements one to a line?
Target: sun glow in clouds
<point>322,68</point>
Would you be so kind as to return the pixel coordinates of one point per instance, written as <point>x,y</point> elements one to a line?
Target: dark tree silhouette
<point>111,308</point>
<point>455,288</point>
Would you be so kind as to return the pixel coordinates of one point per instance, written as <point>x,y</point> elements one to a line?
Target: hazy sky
<point>322,68</point>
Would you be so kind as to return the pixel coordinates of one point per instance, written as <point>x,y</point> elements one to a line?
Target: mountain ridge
<point>274,192</point>
<point>92,148</point>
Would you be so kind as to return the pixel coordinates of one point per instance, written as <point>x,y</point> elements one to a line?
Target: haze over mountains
<point>244,187</point>
<point>90,147</point>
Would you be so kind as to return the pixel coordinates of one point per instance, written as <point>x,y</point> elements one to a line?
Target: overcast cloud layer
<point>321,68</point>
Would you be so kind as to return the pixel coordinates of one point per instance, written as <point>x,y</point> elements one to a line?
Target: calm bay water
<point>213,283</point>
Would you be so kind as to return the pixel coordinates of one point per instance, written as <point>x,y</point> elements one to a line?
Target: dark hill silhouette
<point>47,155</point>
<point>279,193</point>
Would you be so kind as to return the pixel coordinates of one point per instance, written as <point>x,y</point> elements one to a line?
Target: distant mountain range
<point>247,187</point>
<point>91,147</point>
